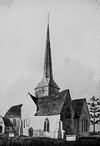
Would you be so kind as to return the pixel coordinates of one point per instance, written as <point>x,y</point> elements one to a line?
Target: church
<point>57,115</point>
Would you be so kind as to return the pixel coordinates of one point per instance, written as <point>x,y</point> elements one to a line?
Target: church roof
<point>14,111</point>
<point>52,105</point>
<point>7,122</point>
<point>77,105</point>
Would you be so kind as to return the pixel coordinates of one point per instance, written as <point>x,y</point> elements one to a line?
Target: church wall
<point>25,126</point>
<point>16,123</point>
<point>83,131</point>
<point>2,126</point>
<point>76,125</point>
<point>53,91</point>
<point>67,117</point>
<point>68,126</point>
<point>37,123</point>
<point>40,92</point>
<point>84,122</point>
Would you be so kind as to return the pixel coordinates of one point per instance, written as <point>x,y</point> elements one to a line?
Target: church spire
<point>47,86</point>
<point>48,60</point>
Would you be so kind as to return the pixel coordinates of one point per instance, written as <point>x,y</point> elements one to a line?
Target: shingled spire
<point>47,86</point>
<point>48,60</point>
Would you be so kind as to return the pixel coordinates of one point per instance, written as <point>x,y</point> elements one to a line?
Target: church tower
<point>47,86</point>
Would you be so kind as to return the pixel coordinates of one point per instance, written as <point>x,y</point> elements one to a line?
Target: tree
<point>94,108</point>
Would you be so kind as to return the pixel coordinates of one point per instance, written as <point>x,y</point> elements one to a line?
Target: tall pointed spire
<point>47,86</point>
<point>48,60</point>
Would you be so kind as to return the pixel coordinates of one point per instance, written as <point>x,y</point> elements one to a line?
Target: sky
<point>75,45</point>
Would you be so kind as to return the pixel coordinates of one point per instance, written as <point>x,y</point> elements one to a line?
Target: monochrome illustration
<point>49,72</point>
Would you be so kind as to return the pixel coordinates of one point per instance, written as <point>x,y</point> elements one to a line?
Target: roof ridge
<point>79,99</point>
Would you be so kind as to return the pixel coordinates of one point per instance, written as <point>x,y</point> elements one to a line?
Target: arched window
<point>59,131</point>
<point>24,123</point>
<point>14,122</point>
<point>84,125</point>
<point>46,125</point>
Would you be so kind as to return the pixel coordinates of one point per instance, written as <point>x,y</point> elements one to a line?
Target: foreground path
<point>28,141</point>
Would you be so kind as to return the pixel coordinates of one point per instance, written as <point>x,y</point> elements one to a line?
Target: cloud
<point>79,78</point>
<point>6,2</point>
<point>17,93</point>
<point>71,74</point>
<point>75,43</point>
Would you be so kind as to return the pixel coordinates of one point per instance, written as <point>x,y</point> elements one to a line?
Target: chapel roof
<point>14,111</point>
<point>53,105</point>
<point>77,105</point>
<point>7,122</point>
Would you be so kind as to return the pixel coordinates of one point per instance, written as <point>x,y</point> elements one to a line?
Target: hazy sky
<point>75,43</point>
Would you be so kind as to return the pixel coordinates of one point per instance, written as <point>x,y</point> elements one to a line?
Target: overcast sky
<point>75,43</point>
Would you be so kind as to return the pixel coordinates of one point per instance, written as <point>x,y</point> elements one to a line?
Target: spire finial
<point>48,17</point>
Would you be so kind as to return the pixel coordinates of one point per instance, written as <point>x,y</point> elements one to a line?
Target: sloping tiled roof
<point>52,105</point>
<point>77,105</point>
<point>7,122</point>
<point>14,111</point>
